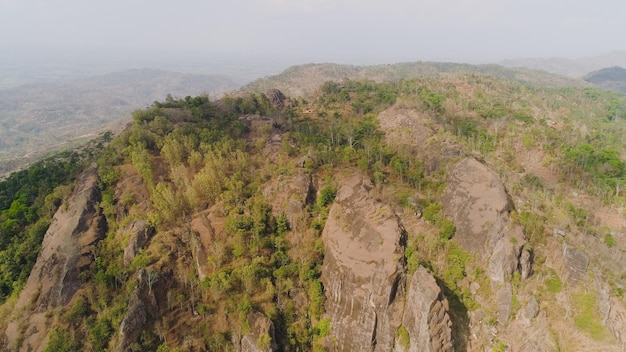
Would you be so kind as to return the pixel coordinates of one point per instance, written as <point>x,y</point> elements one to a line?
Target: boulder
<point>363,270</point>
<point>261,327</point>
<point>576,263</point>
<point>426,318</point>
<point>140,233</point>
<point>477,201</point>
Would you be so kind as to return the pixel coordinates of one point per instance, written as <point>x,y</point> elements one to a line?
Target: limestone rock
<point>134,320</point>
<point>525,264</point>
<point>616,322</point>
<point>426,316</point>
<point>65,253</point>
<point>477,201</point>
<point>276,97</point>
<point>259,325</point>
<point>363,270</point>
<point>504,298</point>
<point>140,232</point>
<point>576,263</point>
<point>529,312</point>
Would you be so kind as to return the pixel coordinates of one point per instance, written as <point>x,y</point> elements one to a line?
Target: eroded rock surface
<point>363,269</point>
<point>365,282</point>
<point>576,263</point>
<point>65,253</point>
<point>426,316</point>
<point>477,201</point>
<point>261,336</point>
<point>139,232</point>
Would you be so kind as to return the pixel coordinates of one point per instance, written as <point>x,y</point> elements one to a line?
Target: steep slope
<point>65,255</point>
<point>451,212</point>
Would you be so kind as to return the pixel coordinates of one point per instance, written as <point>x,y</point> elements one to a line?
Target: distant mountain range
<point>576,68</point>
<point>612,78</point>
<point>38,118</point>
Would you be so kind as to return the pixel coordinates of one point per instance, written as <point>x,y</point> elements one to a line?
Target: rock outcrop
<point>576,263</point>
<point>65,253</point>
<point>365,281</point>
<point>276,97</point>
<point>261,336</point>
<point>139,234</point>
<point>134,320</point>
<point>426,307</point>
<point>477,201</point>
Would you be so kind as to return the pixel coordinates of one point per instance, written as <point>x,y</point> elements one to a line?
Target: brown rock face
<point>576,263</point>
<point>426,307</point>
<point>140,232</point>
<point>260,325</point>
<point>66,251</point>
<point>363,269</point>
<point>479,205</point>
<point>365,280</point>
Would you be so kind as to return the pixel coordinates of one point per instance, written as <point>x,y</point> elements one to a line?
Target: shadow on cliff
<point>459,317</point>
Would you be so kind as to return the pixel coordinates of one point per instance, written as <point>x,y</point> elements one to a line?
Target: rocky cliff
<point>66,252</point>
<point>480,207</point>
<point>364,276</point>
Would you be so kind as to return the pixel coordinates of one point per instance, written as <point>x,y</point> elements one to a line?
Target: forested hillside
<point>487,210</point>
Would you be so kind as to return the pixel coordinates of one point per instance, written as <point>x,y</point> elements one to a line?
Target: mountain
<point>574,68</point>
<point>612,78</point>
<point>452,211</point>
<point>39,118</point>
<point>306,79</point>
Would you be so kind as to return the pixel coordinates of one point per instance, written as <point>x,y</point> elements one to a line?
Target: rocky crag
<point>365,280</point>
<point>66,252</point>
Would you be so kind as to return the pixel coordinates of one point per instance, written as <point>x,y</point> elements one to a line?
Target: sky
<point>302,31</point>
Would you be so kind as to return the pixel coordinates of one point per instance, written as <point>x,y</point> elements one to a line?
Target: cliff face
<point>65,253</point>
<point>364,276</point>
<point>477,201</point>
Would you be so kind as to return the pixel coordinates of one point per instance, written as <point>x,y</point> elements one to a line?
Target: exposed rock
<point>529,311</point>
<point>479,205</point>
<point>363,270</point>
<point>616,322</point>
<point>65,253</point>
<point>259,325</point>
<point>134,320</point>
<point>309,156</point>
<point>504,260</point>
<point>504,298</point>
<point>576,263</point>
<point>525,264</point>
<point>426,316</point>
<point>140,233</point>
<point>276,97</point>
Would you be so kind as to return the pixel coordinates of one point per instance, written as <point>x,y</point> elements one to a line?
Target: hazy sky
<point>344,31</point>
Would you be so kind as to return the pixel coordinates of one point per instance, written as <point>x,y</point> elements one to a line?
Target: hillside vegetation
<point>234,196</point>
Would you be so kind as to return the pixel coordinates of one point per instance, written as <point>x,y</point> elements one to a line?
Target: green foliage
<point>264,341</point>
<point>28,200</point>
<point>322,328</point>
<point>402,335</point>
<point>553,282</point>
<point>327,195</point>
<point>61,341</point>
<point>99,334</point>
<point>587,317</point>
<point>610,241</point>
